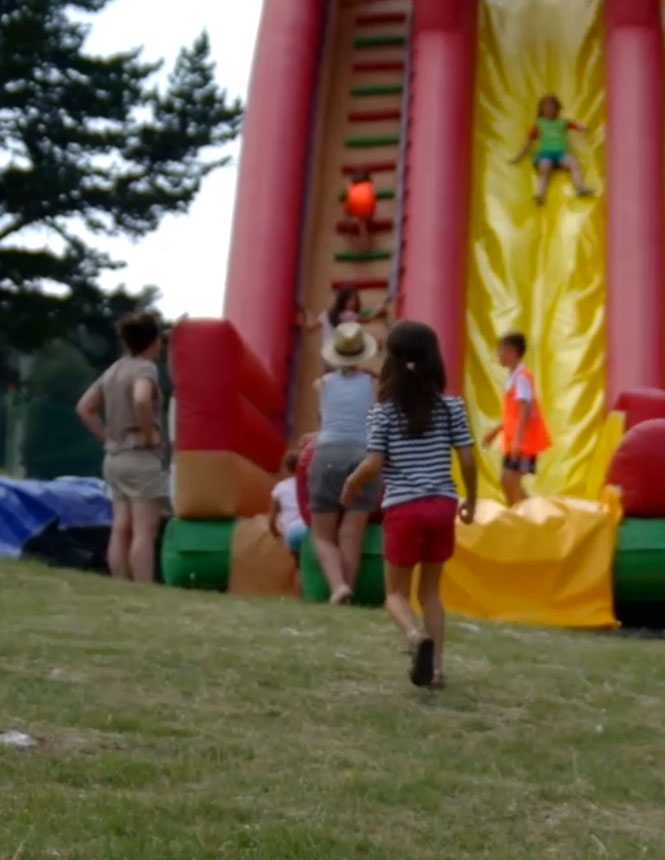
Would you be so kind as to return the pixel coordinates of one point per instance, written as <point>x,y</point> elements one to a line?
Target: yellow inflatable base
<point>547,561</point>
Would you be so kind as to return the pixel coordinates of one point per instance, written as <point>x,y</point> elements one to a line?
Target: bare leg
<point>121,537</point>
<point>145,525</point>
<point>398,591</point>
<point>325,529</point>
<point>398,587</point>
<point>573,165</point>
<point>429,595</point>
<point>544,176</point>
<point>351,535</point>
<point>511,481</point>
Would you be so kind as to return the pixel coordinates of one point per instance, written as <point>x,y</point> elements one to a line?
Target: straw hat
<point>349,346</point>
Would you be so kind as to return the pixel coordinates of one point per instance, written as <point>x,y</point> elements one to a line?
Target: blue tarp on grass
<point>27,508</point>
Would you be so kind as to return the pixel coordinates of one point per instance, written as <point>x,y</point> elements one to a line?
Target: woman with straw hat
<point>346,396</point>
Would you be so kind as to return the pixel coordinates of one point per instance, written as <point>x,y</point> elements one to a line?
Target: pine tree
<point>89,146</point>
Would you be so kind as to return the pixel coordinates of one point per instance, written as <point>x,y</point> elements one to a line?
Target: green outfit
<point>552,137</point>
<point>552,134</point>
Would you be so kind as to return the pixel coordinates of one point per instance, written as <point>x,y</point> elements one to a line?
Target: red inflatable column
<point>636,204</point>
<point>260,292</point>
<point>437,204</point>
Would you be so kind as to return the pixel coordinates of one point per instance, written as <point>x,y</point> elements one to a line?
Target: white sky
<point>186,258</point>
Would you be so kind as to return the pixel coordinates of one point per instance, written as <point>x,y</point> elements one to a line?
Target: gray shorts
<point>136,476</point>
<point>331,466</point>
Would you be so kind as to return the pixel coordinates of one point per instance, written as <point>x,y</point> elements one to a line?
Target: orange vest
<point>536,436</point>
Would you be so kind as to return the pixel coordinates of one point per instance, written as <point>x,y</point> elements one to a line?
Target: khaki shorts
<point>136,476</point>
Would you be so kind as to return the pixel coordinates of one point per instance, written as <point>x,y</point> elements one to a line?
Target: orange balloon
<point>361,199</point>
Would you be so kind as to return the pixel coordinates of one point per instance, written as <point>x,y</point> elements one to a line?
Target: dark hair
<point>340,302</point>
<point>515,340</point>
<point>291,461</point>
<point>360,175</point>
<point>138,331</point>
<point>550,97</point>
<point>413,376</point>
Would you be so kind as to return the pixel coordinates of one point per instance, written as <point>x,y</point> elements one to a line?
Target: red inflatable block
<point>226,399</point>
<point>307,450</point>
<point>633,13</point>
<point>641,404</point>
<point>638,467</point>
<point>304,461</point>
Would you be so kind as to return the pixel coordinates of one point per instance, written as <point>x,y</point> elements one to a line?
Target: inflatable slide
<point>432,98</point>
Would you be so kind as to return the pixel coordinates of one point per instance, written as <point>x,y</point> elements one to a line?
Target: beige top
<point>117,386</point>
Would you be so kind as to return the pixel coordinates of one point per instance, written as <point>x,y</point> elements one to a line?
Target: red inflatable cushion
<point>638,467</point>
<point>307,451</point>
<point>304,461</point>
<point>641,404</point>
<point>226,399</point>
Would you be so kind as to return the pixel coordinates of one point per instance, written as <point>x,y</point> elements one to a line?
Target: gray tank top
<point>345,401</point>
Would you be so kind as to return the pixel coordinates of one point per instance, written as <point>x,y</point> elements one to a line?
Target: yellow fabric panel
<point>546,562</point>
<point>611,434</point>
<point>539,270</point>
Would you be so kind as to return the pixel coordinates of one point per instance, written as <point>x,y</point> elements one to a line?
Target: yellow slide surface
<point>540,270</point>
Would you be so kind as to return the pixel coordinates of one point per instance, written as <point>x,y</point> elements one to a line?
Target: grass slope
<point>184,726</point>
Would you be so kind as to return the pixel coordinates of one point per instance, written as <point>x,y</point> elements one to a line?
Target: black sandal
<point>422,668</point>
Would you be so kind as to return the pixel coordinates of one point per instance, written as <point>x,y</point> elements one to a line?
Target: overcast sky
<point>186,258</point>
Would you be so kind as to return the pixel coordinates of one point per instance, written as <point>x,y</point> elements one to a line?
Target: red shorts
<point>420,531</point>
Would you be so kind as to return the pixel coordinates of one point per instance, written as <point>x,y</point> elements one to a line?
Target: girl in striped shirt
<point>412,430</point>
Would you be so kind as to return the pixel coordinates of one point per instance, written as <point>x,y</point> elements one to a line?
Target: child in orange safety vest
<point>525,434</point>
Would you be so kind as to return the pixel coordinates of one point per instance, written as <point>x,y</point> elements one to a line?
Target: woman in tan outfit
<point>129,398</point>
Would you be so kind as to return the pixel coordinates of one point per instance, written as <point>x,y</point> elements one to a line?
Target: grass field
<point>184,726</point>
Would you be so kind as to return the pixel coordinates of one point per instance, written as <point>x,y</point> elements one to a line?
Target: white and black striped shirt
<point>418,467</point>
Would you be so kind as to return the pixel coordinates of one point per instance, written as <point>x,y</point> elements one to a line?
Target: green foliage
<point>90,146</point>
<point>94,332</point>
<point>56,443</point>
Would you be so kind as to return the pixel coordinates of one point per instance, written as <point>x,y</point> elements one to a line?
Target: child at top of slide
<point>360,204</point>
<point>525,434</point>
<point>347,307</point>
<point>411,433</point>
<point>550,134</point>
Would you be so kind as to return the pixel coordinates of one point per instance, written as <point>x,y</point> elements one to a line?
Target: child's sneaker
<point>422,668</point>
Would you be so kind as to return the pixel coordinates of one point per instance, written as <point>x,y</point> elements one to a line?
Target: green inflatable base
<point>197,554</point>
<point>639,563</point>
<point>370,588</point>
